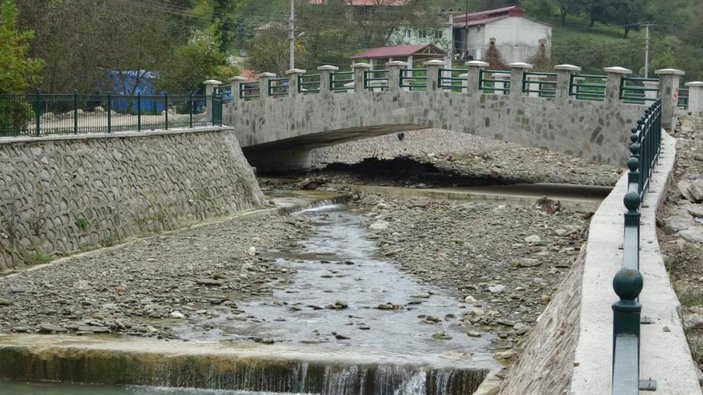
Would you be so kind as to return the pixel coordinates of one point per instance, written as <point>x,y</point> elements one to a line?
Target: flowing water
<point>342,300</point>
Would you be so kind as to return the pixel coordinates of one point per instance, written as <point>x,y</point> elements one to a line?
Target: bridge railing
<point>639,90</point>
<point>644,148</point>
<point>249,90</point>
<point>308,83</point>
<point>413,79</point>
<point>588,86</point>
<point>540,84</point>
<point>376,79</point>
<point>277,86</point>
<point>44,114</point>
<point>453,80</point>
<point>682,102</point>
<point>489,83</point>
<point>342,81</point>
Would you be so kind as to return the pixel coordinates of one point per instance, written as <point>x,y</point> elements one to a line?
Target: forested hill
<point>71,44</point>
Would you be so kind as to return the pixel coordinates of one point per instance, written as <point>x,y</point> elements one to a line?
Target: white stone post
<point>499,85</point>
<point>359,69</point>
<point>394,68</point>
<point>210,86</point>
<point>235,84</point>
<point>326,77</point>
<point>669,91</point>
<point>517,77</point>
<point>293,75</point>
<point>264,84</point>
<point>650,95</point>
<point>433,74</point>
<point>564,73</point>
<point>474,73</point>
<point>614,75</point>
<point>695,98</point>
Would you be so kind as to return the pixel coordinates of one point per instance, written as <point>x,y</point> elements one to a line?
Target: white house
<point>509,35</point>
<point>515,37</point>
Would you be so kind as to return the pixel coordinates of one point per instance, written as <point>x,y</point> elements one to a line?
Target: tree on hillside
<point>569,7</point>
<point>17,71</point>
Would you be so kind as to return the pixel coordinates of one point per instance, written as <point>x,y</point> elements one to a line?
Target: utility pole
<point>466,27</point>
<point>646,48</point>
<point>450,50</point>
<point>291,36</point>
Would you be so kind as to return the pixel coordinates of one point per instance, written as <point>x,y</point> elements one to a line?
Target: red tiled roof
<point>399,51</point>
<point>482,17</point>
<point>367,3</point>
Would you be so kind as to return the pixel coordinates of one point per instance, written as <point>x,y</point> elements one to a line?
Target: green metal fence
<point>451,80</point>
<point>342,81</point>
<point>249,90</point>
<point>634,90</point>
<point>644,148</point>
<point>413,79</point>
<point>546,83</point>
<point>588,86</point>
<point>309,83</point>
<point>43,114</point>
<point>683,99</point>
<point>376,79</point>
<point>493,85</point>
<point>277,86</point>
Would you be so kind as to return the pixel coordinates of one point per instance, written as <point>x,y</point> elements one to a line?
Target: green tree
<point>18,72</point>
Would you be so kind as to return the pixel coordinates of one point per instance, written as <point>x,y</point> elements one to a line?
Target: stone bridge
<point>287,117</point>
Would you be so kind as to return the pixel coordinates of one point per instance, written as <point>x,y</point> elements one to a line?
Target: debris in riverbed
<point>547,205</point>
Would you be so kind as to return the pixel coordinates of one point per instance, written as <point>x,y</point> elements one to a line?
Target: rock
<point>441,335</point>
<point>263,340</point>
<point>693,321</point>
<point>470,299</point>
<point>496,289</point>
<point>209,282</point>
<point>474,334</point>
<point>389,306</point>
<point>422,295</point>
<point>528,262</point>
<point>251,251</point>
<point>696,211</point>
<point>340,336</point>
<point>547,205</point>
<point>506,323</point>
<point>18,289</point>
<point>508,354</point>
<point>177,314</point>
<point>46,327</point>
<point>338,305</point>
<point>676,224</point>
<point>5,302</point>
<point>693,235</point>
<point>685,188</point>
<point>379,225</point>
<point>533,239</point>
<point>696,189</point>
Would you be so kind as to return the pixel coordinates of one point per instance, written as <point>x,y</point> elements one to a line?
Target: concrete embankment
<point>570,349</point>
<point>62,194</point>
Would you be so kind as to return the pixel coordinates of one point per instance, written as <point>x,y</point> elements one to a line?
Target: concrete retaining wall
<point>581,319</point>
<point>61,194</point>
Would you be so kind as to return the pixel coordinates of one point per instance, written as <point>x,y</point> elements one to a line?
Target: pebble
<point>51,328</point>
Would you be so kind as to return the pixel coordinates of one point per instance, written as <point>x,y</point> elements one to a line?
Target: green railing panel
<point>342,81</point>
<point>451,80</point>
<point>633,90</point>
<point>277,86</point>
<point>376,79</point>
<point>309,83</point>
<point>249,90</point>
<point>543,84</point>
<point>413,79</point>
<point>493,85</point>
<point>683,99</point>
<point>588,86</point>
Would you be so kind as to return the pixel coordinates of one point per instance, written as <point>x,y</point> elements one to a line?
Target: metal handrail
<point>340,80</point>
<point>487,85</point>
<point>277,86</point>
<point>645,146</point>
<point>309,83</point>
<point>547,88</point>
<point>588,90</point>
<point>632,90</point>
<point>413,79</point>
<point>65,113</point>
<point>453,82</point>
<point>373,81</point>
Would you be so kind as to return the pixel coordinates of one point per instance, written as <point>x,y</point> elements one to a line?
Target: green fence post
<point>37,112</point>
<point>75,111</point>
<point>190,110</point>
<point>166,110</point>
<point>139,111</point>
<point>109,111</point>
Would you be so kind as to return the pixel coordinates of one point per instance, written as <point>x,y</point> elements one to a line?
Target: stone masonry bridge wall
<point>62,194</point>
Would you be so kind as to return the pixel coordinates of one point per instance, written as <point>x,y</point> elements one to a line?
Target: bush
<point>14,117</point>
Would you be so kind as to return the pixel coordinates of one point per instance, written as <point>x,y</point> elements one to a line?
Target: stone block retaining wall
<point>61,194</point>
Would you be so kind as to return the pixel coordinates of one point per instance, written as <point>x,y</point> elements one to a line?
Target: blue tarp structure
<point>134,82</point>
